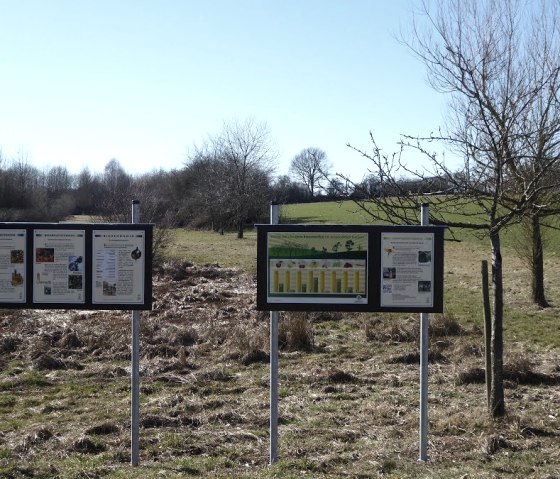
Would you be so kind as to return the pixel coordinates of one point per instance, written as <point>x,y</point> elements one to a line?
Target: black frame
<point>437,260</point>
<point>88,229</point>
<point>262,269</point>
<point>373,300</point>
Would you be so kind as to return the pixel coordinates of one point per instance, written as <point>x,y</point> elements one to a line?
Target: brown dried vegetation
<point>348,392</point>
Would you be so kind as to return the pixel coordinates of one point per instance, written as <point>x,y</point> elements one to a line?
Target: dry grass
<point>295,332</point>
<point>348,387</point>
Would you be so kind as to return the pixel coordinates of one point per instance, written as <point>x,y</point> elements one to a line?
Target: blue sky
<point>82,82</point>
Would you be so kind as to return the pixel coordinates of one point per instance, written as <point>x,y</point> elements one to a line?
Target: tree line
<point>227,183</point>
<point>223,190</point>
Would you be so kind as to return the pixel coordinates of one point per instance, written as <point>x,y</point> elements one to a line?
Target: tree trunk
<point>497,403</point>
<point>240,229</point>
<point>537,264</point>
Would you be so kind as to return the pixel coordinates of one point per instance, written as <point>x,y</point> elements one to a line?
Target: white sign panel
<point>12,265</point>
<point>407,273</point>
<point>58,266</point>
<point>118,266</point>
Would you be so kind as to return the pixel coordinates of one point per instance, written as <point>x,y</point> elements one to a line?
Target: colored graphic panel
<point>323,267</point>
<point>12,265</point>
<point>58,266</point>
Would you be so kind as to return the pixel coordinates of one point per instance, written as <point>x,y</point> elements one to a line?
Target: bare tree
<point>234,173</point>
<point>22,193</point>
<point>205,191</point>
<point>479,53</point>
<point>117,192</point>
<point>246,149</point>
<point>541,136</point>
<point>502,68</point>
<point>310,166</point>
<point>57,181</point>
<point>88,192</point>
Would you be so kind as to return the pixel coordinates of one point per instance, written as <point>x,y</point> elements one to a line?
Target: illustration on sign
<point>58,266</point>
<point>407,273</point>
<point>12,265</point>
<point>118,266</point>
<point>325,267</point>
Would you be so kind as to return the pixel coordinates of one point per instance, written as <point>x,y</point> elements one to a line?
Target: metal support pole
<point>274,218</point>
<point>135,370</point>
<point>424,345</point>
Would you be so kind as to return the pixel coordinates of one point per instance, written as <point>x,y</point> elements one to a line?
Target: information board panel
<point>323,267</point>
<point>118,266</point>
<point>409,268</point>
<point>350,268</point>
<point>76,266</point>
<point>58,266</point>
<point>308,268</point>
<point>12,265</point>
<point>407,275</point>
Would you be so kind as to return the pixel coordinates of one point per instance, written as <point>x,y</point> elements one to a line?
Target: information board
<point>407,275</point>
<point>12,265</point>
<point>58,266</point>
<point>76,266</point>
<point>317,267</point>
<point>118,266</point>
<point>350,268</point>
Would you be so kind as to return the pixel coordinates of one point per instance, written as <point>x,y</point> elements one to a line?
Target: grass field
<point>348,382</point>
<point>347,212</point>
<point>203,247</point>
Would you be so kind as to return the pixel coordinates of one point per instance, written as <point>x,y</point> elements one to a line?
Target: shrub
<point>391,329</point>
<point>446,324</point>
<point>295,332</point>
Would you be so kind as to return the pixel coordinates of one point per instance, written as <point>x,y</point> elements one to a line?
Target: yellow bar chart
<point>322,279</point>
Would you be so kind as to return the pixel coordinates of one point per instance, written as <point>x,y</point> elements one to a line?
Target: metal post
<point>274,218</point>
<point>424,324</point>
<point>135,370</point>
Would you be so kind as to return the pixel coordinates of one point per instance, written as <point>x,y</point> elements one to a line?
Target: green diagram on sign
<point>308,265</point>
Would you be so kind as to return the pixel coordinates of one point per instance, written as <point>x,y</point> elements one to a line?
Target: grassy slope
<point>202,247</point>
<point>347,212</point>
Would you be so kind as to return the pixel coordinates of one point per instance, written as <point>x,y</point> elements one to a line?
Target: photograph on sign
<point>58,266</point>
<point>317,267</point>
<point>407,273</point>
<point>118,266</point>
<point>12,265</point>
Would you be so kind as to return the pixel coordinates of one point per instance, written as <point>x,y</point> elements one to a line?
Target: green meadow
<point>348,212</point>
